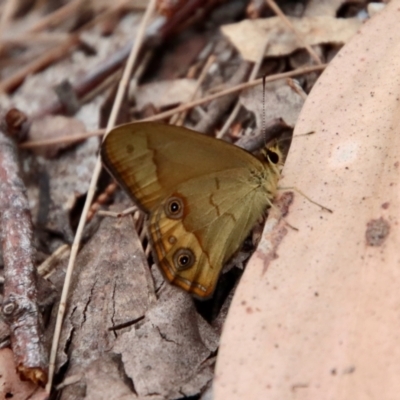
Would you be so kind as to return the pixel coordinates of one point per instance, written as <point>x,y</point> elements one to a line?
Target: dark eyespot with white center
<point>183,258</point>
<point>174,208</point>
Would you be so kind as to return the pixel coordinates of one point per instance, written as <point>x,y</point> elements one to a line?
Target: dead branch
<point>20,308</point>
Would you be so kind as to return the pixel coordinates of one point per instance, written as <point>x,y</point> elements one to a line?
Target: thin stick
<point>282,16</point>
<point>253,74</point>
<point>236,88</point>
<point>184,107</point>
<point>62,139</point>
<point>29,39</point>
<point>75,245</point>
<point>47,266</point>
<point>296,88</point>
<point>114,214</point>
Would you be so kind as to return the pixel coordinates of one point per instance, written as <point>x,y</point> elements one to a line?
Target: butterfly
<point>202,195</point>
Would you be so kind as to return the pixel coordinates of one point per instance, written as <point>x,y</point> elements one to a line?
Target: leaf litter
<point>169,350</point>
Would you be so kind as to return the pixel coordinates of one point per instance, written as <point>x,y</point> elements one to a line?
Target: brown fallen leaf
<point>319,319</point>
<point>248,36</point>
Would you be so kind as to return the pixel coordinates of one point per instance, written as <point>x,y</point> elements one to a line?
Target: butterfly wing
<point>203,196</point>
<point>217,213</point>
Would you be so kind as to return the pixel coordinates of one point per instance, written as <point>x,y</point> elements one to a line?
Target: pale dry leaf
<point>280,102</point>
<point>164,93</point>
<point>52,127</point>
<point>317,316</point>
<point>316,8</point>
<point>249,36</point>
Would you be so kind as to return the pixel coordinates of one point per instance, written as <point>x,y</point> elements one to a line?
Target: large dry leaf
<point>316,315</point>
<point>249,36</point>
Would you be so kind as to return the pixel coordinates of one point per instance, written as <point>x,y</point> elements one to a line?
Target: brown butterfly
<point>202,195</point>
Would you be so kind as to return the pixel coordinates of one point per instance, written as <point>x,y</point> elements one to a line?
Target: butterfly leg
<point>277,209</point>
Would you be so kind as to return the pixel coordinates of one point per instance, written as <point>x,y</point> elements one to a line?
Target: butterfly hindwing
<point>213,217</point>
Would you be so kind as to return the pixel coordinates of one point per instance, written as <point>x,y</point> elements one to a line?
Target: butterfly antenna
<point>264,123</point>
<point>294,188</point>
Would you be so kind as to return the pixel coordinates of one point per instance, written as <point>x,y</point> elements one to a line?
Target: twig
<point>294,85</point>
<point>20,307</point>
<point>183,107</point>
<point>57,16</point>
<point>29,39</point>
<point>282,16</point>
<point>91,191</point>
<point>62,139</point>
<point>46,267</point>
<point>237,88</point>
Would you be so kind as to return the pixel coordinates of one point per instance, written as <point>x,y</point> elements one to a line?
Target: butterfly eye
<point>272,156</point>
<point>174,208</point>
<point>184,259</point>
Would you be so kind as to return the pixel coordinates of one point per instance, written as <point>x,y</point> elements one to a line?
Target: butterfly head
<point>273,156</point>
